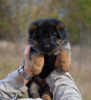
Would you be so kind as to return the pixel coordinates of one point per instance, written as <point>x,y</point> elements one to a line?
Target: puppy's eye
<point>52,35</point>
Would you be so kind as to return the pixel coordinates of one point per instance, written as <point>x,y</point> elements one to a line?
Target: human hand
<point>28,65</point>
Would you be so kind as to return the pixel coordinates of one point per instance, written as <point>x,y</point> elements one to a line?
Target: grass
<point>11,57</point>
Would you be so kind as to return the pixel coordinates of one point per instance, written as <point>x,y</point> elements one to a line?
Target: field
<point>11,57</point>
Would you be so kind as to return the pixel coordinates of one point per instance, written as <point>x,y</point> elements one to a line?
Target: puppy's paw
<point>37,63</point>
<point>46,97</point>
<point>65,60</point>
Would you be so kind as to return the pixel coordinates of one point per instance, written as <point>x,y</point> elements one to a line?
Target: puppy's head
<point>47,35</point>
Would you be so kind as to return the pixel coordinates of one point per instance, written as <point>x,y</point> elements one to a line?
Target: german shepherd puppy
<point>47,37</point>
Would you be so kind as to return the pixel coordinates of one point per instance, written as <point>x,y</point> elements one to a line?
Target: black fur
<point>48,66</point>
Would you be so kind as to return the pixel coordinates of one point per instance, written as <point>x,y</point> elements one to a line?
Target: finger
<point>27,51</point>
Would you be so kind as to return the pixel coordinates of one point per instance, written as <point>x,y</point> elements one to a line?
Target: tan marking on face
<point>59,26</point>
<point>33,27</point>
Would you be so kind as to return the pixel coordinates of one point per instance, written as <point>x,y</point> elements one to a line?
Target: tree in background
<point>16,16</point>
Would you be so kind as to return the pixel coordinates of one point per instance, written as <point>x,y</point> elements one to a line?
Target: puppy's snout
<point>47,48</point>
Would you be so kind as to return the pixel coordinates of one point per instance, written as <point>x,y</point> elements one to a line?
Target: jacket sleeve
<point>62,86</point>
<point>12,85</point>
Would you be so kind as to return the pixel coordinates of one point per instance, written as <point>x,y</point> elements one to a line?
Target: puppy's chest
<point>48,65</point>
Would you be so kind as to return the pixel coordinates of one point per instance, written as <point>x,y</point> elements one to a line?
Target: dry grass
<point>81,70</point>
<point>11,57</point>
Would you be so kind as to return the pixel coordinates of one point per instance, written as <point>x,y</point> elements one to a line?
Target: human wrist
<point>25,81</point>
<point>25,75</point>
<point>28,71</point>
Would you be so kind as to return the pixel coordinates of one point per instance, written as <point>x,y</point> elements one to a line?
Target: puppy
<point>47,37</point>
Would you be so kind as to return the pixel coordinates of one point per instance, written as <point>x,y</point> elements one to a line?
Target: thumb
<point>27,51</point>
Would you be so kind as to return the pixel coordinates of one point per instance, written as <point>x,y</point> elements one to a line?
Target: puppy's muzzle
<point>47,47</point>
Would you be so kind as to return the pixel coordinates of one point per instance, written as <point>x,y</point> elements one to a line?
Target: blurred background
<point>15,18</point>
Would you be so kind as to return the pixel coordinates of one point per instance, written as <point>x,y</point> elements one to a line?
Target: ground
<point>11,57</point>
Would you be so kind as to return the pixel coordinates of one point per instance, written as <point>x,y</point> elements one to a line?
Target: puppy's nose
<point>47,46</point>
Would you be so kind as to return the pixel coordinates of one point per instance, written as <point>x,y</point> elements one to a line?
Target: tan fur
<point>64,60</point>
<point>33,27</point>
<point>59,26</point>
<point>37,63</point>
<point>46,97</point>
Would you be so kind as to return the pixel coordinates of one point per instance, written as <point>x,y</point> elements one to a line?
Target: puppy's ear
<point>61,31</point>
<point>32,31</point>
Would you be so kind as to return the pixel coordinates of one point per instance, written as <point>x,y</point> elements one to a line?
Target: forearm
<point>12,85</point>
<point>16,82</point>
<point>62,86</point>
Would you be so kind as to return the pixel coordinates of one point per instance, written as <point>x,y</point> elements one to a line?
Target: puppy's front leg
<point>37,63</point>
<point>65,60</point>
